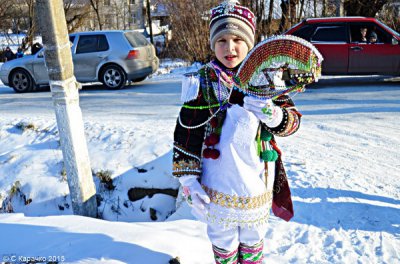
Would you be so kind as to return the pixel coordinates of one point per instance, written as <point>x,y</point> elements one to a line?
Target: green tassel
<point>265,135</point>
<point>259,147</point>
<point>269,155</point>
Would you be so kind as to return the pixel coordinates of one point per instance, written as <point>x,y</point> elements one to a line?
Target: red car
<point>352,45</point>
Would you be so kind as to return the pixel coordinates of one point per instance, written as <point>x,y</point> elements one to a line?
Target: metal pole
<point>64,90</point>
<point>150,22</point>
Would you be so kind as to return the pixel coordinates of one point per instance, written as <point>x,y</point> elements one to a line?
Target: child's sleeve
<point>188,142</point>
<point>291,118</point>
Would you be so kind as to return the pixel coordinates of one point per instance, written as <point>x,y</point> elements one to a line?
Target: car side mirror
<point>395,41</point>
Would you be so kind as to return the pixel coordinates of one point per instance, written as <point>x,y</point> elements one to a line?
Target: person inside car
<point>373,38</point>
<point>363,34</point>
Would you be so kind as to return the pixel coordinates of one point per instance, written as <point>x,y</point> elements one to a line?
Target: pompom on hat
<point>231,18</point>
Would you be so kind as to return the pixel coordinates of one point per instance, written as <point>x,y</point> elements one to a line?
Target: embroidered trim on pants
<point>251,254</point>
<point>223,256</point>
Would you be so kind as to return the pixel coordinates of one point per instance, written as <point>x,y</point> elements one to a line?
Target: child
<point>215,157</point>
<point>373,38</point>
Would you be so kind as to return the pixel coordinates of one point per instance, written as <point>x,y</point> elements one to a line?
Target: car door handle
<point>102,56</point>
<point>356,48</point>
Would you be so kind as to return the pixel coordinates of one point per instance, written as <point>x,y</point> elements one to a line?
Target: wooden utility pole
<point>64,90</point>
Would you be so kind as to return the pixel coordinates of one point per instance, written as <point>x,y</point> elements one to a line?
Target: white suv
<point>111,57</point>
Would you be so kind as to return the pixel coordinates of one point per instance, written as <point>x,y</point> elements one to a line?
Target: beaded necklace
<point>222,103</point>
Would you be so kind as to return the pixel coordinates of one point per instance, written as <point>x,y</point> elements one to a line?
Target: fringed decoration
<point>301,59</point>
<point>190,88</point>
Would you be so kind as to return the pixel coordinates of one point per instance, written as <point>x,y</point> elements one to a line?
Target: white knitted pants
<point>230,239</point>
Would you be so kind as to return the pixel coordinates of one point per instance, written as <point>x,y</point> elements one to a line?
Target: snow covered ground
<point>343,166</point>
<point>14,41</point>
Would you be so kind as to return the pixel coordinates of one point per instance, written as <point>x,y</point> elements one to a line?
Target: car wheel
<point>113,77</point>
<point>139,79</point>
<point>21,81</point>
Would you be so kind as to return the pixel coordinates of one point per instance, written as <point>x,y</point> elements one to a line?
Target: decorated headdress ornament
<point>232,18</point>
<point>298,58</point>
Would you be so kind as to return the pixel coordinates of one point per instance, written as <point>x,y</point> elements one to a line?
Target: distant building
<point>128,14</point>
<point>117,14</point>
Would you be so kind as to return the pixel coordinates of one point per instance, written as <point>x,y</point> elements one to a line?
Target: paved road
<point>154,100</point>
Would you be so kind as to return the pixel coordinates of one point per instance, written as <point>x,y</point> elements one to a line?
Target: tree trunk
<point>315,9</point>
<point>339,8</point>
<point>301,10</point>
<point>293,14</point>
<point>95,5</point>
<point>31,24</point>
<point>270,14</point>
<point>324,8</point>
<point>283,25</point>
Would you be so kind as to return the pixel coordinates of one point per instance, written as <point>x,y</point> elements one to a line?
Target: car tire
<point>21,81</point>
<point>113,77</point>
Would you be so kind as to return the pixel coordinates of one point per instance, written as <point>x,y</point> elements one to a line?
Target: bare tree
<point>270,14</point>
<point>289,16</point>
<point>292,9</point>
<point>76,13</point>
<point>262,25</point>
<point>285,16</point>
<point>121,13</point>
<point>301,10</point>
<point>390,15</point>
<point>189,22</point>
<point>5,14</point>
<point>96,7</point>
<point>367,8</point>
<point>31,24</point>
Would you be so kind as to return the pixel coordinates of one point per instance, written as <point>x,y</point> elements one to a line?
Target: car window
<point>102,43</point>
<point>136,39</point>
<point>92,43</point>
<point>371,28</point>
<point>304,32</point>
<point>334,33</point>
<point>388,28</point>
<point>71,39</point>
<point>382,35</point>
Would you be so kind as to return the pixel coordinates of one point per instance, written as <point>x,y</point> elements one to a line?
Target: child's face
<point>230,50</point>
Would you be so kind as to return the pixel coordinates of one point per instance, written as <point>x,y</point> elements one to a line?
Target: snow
<point>14,41</point>
<point>343,166</point>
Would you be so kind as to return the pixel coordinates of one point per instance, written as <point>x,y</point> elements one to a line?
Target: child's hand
<point>195,195</point>
<point>264,109</point>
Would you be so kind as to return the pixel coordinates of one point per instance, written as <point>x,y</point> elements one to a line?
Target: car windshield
<point>389,29</point>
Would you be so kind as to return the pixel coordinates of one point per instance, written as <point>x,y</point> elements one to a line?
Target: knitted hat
<point>373,35</point>
<point>231,18</point>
